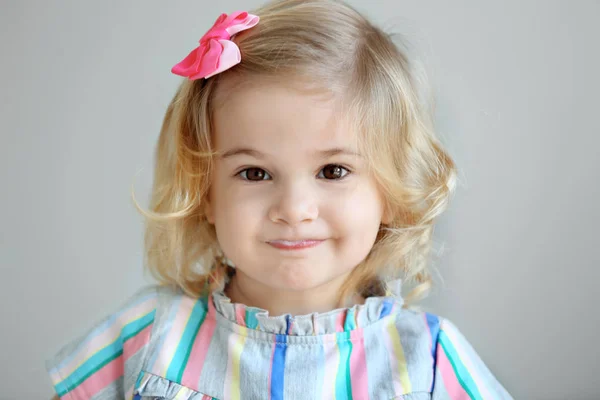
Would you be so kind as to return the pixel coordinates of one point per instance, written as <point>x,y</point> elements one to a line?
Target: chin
<point>292,283</point>
<point>298,278</point>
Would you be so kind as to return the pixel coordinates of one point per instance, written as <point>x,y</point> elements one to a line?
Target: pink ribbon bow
<point>216,52</point>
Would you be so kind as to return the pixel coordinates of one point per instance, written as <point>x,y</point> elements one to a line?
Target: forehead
<point>278,116</point>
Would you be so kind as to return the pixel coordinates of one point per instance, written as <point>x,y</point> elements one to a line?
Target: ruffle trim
<point>338,320</point>
<point>155,387</point>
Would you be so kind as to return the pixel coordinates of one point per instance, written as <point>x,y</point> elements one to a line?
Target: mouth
<point>295,244</point>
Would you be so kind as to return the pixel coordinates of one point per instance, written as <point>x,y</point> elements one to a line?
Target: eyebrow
<point>239,151</point>
<point>257,154</point>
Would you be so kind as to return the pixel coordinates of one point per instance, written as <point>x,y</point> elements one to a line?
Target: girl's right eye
<point>254,174</point>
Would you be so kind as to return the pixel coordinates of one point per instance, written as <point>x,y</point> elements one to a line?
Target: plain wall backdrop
<point>84,87</point>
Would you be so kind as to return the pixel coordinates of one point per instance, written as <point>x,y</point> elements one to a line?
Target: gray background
<point>84,86</point>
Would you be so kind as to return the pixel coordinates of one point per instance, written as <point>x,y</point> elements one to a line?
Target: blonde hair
<point>331,45</point>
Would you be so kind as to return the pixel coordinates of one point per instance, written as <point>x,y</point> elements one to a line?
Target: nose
<point>295,203</point>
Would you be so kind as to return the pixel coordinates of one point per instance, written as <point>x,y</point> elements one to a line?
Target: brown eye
<point>333,172</point>
<point>254,174</point>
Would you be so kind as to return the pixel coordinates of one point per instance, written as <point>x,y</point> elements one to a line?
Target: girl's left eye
<point>333,172</point>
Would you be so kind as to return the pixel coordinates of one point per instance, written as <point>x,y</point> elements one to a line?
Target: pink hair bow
<point>216,52</point>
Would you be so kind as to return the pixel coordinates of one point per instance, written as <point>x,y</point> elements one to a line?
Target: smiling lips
<point>295,244</point>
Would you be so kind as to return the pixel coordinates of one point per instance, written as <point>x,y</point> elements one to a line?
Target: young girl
<point>297,178</point>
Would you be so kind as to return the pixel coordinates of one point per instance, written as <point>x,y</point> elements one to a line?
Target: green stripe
<point>189,350</point>
<point>462,374</point>
<point>251,321</point>
<point>184,347</point>
<point>343,384</point>
<point>104,356</point>
<point>66,388</point>
<point>348,375</point>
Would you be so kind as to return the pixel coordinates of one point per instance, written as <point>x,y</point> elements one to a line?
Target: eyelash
<point>348,172</point>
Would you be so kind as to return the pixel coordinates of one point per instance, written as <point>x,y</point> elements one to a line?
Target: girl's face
<point>291,200</point>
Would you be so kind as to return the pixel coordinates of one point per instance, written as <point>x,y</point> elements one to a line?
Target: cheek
<point>357,212</point>
<point>236,214</point>
<point>355,220</point>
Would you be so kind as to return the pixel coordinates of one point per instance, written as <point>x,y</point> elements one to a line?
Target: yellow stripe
<point>399,353</point>
<point>182,394</point>
<point>235,361</point>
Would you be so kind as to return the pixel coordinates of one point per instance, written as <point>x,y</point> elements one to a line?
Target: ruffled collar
<point>338,320</point>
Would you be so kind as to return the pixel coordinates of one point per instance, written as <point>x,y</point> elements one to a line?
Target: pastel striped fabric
<point>210,348</point>
<point>102,363</point>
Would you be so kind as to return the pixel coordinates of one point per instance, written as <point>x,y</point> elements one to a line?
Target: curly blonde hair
<point>328,45</point>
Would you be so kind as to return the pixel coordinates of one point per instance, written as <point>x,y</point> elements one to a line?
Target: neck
<point>245,290</point>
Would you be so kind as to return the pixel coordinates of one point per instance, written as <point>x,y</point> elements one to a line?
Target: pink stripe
<point>101,379</point>
<point>134,344</point>
<point>358,366</point>
<point>114,369</point>
<point>339,322</point>
<point>240,314</point>
<point>105,337</point>
<point>206,397</point>
<point>191,374</point>
<point>271,365</point>
<point>453,386</point>
<point>173,337</point>
<point>332,361</point>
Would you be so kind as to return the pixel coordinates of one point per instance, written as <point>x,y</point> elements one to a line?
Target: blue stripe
<point>343,386</point>
<point>109,352</point>
<point>101,328</point>
<point>138,381</point>
<point>278,368</point>
<point>187,339</point>
<point>462,374</point>
<point>433,322</point>
<point>385,309</point>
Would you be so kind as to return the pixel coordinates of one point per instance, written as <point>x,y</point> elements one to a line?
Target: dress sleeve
<point>459,371</point>
<point>105,361</point>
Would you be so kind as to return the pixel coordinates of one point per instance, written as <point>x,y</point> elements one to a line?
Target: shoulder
<point>419,328</point>
<point>172,302</point>
<point>428,340</point>
<point>424,330</point>
<point>459,370</point>
<point>106,355</point>
<point>433,328</point>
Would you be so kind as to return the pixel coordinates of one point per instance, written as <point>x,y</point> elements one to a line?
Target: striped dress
<point>162,344</point>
